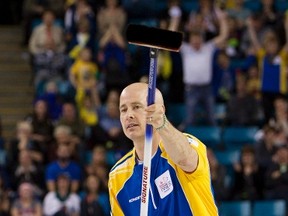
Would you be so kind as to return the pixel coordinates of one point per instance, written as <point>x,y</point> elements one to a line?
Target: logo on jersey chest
<point>164,184</point>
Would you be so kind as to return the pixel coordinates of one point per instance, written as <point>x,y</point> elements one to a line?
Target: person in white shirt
<point>62,201</point>
<point>197,58</point>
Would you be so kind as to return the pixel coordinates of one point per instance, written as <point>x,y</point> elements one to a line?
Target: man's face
<point>132,112</point>
<point>196,41</point>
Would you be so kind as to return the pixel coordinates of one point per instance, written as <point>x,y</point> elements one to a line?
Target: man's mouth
<point>131,125</point>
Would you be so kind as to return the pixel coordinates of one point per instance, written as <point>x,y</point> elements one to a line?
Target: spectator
<point>53,98</point>
<point>62,201</point>
<point>47,47</point>
<point>75,13</point>
<point>197,57</point>
<point>272,62</point>
<point>248,177</point>
<point>111,21</point>
<point>242,108</point>
<point>218,177</point>
<point>69,117</point>
<point>277,176</point>
<point>31,10</point>
<point>63,164</point>
<point>265,147</point>
<point>223,78</point>
<point>91,203</point>
<point>83,38</point>
<point>26,171</point>
<point>253,83</point>
<point>280,116</point>
<point>42,125</point>
<point>27,203</point>
<point>23,141</point>
<point>204,19</point>
<point>83,76</point>
<point>99,167</point>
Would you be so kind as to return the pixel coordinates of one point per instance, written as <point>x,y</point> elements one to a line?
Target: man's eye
<point>136,107</point>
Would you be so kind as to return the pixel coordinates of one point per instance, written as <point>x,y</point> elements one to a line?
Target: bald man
<point>180,177</point>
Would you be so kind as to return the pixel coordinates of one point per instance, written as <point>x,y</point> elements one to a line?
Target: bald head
<point>140,90</point>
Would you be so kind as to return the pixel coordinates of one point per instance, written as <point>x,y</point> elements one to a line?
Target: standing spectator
<point>272,61</point>
<point>111,21</point>
<point>91,203</point>
<point>62,201</point>
<point>248,177</point>
<point>63,164</point>
<point>197,58</point>
<point>47,47</point>
<point>277,176</point>
<point>223,79</point>
<point>242,108</point>
<point>280,116</point>
<point>27,203</point>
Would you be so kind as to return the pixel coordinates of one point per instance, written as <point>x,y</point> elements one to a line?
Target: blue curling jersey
<point>172,191</point>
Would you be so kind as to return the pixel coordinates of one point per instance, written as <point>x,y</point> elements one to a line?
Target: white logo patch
<point>193,142</point>
<point>164,184</point>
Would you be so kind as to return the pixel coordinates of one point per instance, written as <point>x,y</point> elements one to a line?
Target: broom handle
<point>148,135</point>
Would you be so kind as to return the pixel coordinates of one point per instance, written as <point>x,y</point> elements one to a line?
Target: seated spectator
<point>4,195</point>
<point>99,167</point>
<point>63,164</point>
<point>69,117</point>
<point>280,116</point>
<point>83,76</point>
<point>47,47</point>
<point>26,203</point>
<point>24,141</point>
<point>277,175</point>
<point>62,201</point>
<point>53,98</point>
<point>248,177</point>
<point>265,147</point>
<point>218,177</point>
<point>91,203</point>
<point>83,38</point>
<point>26,171</point>
<point>42,125</point>
<point>242,108</point>
<point>74,14</point>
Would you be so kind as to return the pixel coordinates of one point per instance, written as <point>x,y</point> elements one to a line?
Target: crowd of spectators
<point>232,54</point>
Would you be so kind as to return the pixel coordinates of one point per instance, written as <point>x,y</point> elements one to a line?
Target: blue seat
<point>228,157</point>
<point>269,207</point>
<point>176,113</point>
<point>235,208</point>
<point>235,137</point>
<point>210,136</point>
<point>3,157</point>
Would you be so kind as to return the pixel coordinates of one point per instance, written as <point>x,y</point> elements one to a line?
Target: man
<point>63,164</point>
<point>180,177</point>
<point>197,58</point>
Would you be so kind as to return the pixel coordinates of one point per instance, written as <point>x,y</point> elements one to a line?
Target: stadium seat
<point>269,207</point>
<point>210,136</point>
<point>235,137</point>
<point>176,113</point>
<point>3,157</point>
<point>235,208</point>
<point>227,157</point>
